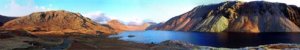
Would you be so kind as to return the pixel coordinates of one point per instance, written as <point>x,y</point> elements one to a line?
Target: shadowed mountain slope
<point>5,19</point>
<point>233,16</point>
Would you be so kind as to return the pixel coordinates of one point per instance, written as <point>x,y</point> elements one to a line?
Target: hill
<point>56,22</point>
<point>234,16</point>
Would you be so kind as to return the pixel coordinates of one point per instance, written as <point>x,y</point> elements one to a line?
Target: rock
<point>282,46</point>
<point>235,16</point>
<point>279,46</point>
<point>174,44</point>
<point>177,43</point>
<point>131,36</point>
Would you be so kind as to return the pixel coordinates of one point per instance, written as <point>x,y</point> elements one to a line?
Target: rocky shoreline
<point>184,45</point>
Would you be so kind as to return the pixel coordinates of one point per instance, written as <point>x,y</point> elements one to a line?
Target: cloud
<point>102,18</point>
<point>136,20</point>
<point>14,8</point>
<point>98,17</point>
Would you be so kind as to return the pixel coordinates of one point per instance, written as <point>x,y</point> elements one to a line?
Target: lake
<point>230,40</point>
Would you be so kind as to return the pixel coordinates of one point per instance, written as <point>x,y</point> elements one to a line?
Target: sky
<point>123,10</point>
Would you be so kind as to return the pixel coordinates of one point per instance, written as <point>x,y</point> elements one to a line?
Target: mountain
<point>56,23</point>
<point>5,19</point>
<point>235,16</point>
<point>154,25</point>
<point>117,25</point>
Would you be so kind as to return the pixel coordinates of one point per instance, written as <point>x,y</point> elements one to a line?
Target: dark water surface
<point>231,40</point>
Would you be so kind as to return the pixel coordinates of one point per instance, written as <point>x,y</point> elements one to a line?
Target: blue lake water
<point>231,40</point>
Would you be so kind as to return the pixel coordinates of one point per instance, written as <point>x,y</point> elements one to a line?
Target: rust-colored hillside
<point>56,23</point>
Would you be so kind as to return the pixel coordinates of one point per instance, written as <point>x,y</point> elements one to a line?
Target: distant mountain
<point>117,25</point>
<point>154,25</point>
<point>56,22</point>
<point>233,16</point>
<point>5,19</point>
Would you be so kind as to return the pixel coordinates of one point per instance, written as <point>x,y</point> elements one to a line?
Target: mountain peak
<point>56,21</point>
<point>234,16</point>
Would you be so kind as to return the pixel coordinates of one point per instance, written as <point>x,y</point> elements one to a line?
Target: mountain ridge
<point>119,27</point>
<point>56,22</point>
<point>5,19</point>
<point>235,16</point>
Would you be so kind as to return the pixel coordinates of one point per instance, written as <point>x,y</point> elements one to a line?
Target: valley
<point>229,25</point>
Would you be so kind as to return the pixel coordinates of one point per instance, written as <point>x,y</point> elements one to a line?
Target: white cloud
<point>93,15</point>
<point>136,20</point>
<point>98,17</point>
<point>15,9</point>
<point>102,18</point>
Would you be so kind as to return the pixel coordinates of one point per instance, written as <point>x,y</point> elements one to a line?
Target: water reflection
<point>231,40</point>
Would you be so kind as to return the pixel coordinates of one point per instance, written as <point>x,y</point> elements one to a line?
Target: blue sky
<point>124,10</point>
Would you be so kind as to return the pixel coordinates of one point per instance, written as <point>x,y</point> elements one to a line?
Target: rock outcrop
<point>235,16</point>
<point>5,19</point>
<point>179,45</point>
<point>56,22</point>
<point>117,25</point>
